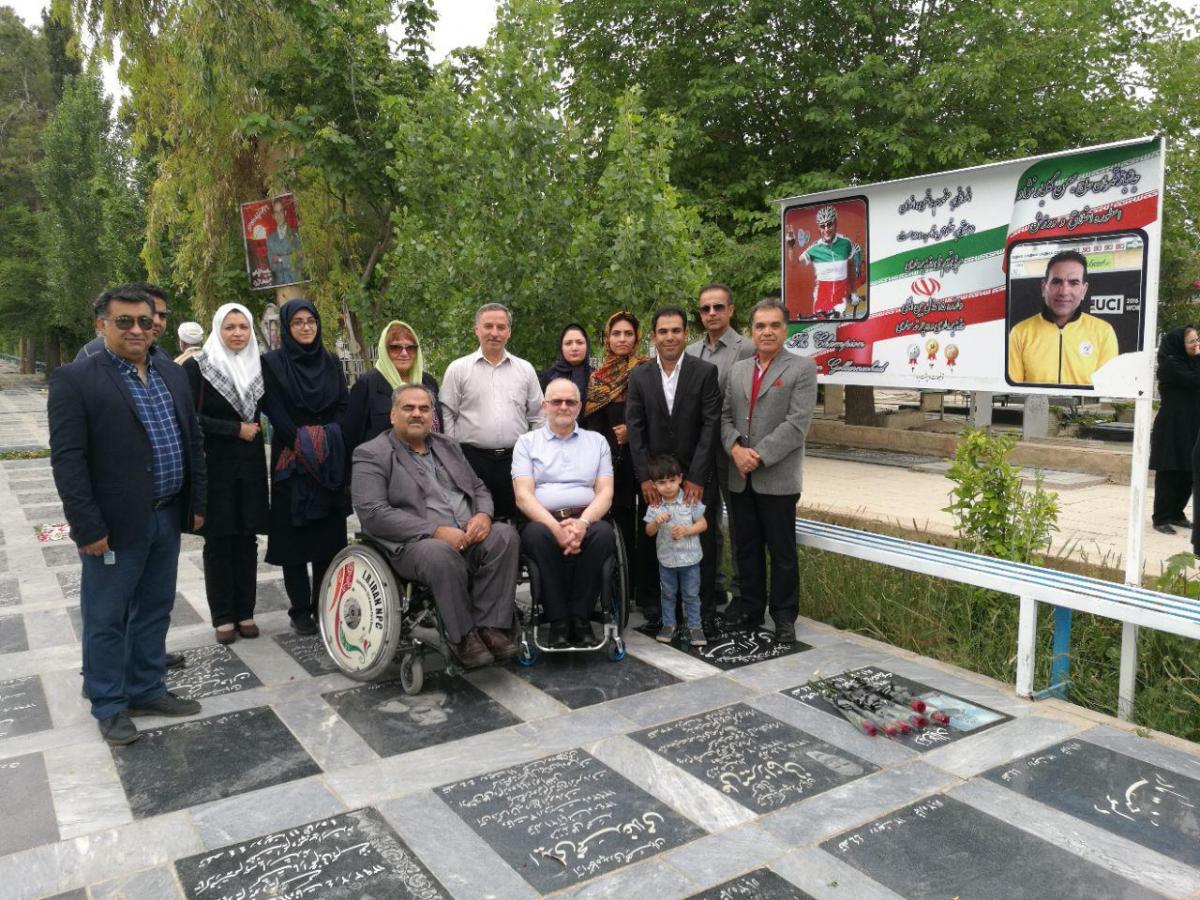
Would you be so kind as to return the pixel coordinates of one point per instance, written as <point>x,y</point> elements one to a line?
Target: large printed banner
<point>1034,276</point>
<point>271,233</point>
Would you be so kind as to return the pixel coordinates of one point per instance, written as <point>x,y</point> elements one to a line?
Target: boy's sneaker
<point>666,634</point>
<point>697,638</point>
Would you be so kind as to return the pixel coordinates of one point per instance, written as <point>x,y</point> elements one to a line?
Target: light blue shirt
<point>564,470</point>
<point>676,553</point>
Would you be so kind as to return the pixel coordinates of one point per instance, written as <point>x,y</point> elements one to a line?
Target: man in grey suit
<point>722,346</point>
<point>415,493</point>
<point>769,403</point>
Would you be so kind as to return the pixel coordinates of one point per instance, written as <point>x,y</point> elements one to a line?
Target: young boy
<point>677,526</point>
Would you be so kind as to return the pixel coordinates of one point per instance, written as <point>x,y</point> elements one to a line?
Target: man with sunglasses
<point>128,462</point>
<point>722,346</point>
<point>162,313</point>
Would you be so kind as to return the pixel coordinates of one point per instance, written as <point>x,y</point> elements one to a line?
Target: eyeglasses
<point>124,323</point>
<point>403,348</point>
<point>715,307</point>
<point>566,403</point>
<point>304,323</point>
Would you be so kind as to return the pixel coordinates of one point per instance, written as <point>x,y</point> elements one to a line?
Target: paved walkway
<point>666,775</point>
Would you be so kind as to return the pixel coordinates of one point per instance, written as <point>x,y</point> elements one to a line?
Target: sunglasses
<point>124,323</point>
<point>403,348</point>
<point>567,403</point>
<point>716,307</point>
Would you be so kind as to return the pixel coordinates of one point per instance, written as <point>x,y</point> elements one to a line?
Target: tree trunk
<point>53,352</point>
<point>860,405</point>
<point>28,356</point>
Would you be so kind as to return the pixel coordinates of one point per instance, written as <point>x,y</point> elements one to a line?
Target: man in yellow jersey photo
<point>1061,344</point>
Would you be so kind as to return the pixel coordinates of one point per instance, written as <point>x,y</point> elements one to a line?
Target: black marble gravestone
<point>194,762</point>
<point>752,758</point>
<point>348,857</point>
<point>583,679</point>
<point>943,848</point>
<point>270,596</point>
<point>23,707</point>
<point>12,634</point>
<point>761,884</point>
<point>566,818</point>
<point>1148,805</point>
<point>308,651</point>
<point>446,709</point>
<point>10,591</point>
<point>44,512</point>
<point>26,810</point>
<point>211,669</point>
<point>36,496</point>
<point>743,648</point>
<point>60,553</point>
<point>352,856</point>
<point>965,717</point>
<point>182,613</point>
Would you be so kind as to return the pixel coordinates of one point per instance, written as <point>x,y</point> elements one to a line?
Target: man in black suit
<point>128,461</point>
<point>675,407</point>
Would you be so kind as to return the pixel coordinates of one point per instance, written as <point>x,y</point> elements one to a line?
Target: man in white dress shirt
<point>490,399</point>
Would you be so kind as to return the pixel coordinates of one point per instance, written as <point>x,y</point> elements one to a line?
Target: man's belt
<point>568,512</point>
<point>164,502</point>
<point>499,454</point>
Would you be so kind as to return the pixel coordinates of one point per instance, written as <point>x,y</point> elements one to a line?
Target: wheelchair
<point>612,610</point>
<point>372,620</point>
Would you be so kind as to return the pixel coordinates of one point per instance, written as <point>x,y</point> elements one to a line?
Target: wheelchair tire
<point>360,612</point>
<point>412,673</point>
<point>620,598</point>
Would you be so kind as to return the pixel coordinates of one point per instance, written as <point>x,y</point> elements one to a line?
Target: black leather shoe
<point>1164,528</point>
<point>166,705</point>
<point>581,634</point>
<point>740,622</point>
<point>118,729</point>
<point>175,660</point>
<point>785,633</point>
<point>304,624</point>
<point>558,635</point>
<point>1182,522</point>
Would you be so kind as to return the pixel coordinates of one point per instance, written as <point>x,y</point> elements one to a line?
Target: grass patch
<point>977,630</point>
<point>24,454</point>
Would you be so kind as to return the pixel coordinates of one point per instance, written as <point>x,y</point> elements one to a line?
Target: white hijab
<point>236,376</point>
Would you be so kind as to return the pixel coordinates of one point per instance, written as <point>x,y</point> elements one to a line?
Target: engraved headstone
<point>26,810</point>
<point>392,722</point>
<point>965,717</point>
<point>744,648</point>
<point>308,650</point>
<point>752,758</point>
<point>12,634</point>
<point>353,856</point>
<point>23,707</point>
<point>1148,805</point>
<point>566,818</point>
<point>194,762</point>
<point>761,884</point>
<point>583,679</point>
<point>941,847</point>
<point>211,669</point>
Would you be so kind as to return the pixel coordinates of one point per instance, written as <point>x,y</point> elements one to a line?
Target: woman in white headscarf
<point>227,384</point>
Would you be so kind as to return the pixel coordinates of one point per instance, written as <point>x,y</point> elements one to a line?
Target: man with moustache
<point>162,312</point>
<point>489,399</point>
<point>415,493</point>
<point>675,407</point>
<point>128,461</point>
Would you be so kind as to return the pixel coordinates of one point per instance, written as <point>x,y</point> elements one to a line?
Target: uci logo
<point>1108,304</point>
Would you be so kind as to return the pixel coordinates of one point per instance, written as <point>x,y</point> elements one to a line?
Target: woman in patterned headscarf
<point>604,411</point>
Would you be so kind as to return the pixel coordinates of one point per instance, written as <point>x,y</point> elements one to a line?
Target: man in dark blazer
<point>128,462</point>
<point>675,407</point>
<point>768,405</point>
<point>416,494</point>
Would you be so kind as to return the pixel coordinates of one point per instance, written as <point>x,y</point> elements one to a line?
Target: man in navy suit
<point>675,407</point>
<point>128,461</point>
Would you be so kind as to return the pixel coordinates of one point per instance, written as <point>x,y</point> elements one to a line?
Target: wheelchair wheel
<point>620,586</point>
<point>529,652</point>
<point>412,673</point>
<point>616,651</point>
<point>359,616</point>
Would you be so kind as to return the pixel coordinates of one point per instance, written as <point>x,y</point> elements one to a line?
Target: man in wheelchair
<point>416,495</point>
<point>563,483</point>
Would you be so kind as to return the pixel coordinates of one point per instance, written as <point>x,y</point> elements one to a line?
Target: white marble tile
<point>727,854</point>
<point>652,878</point>
<point>1125,858</point>
<point>820,662</point>
<point>1131,744</point>
<point>49,629</point>
<point>977,753</point>
<point>87,791</point>
<point>675,701</point>
<point>684,793</point>
<point>247,816</point>
<point>151,884</point>
<point>327,737</point>
<point>35,662</point>
<point>67,706</point>
<point>682,665</point>
<point>516,694</point>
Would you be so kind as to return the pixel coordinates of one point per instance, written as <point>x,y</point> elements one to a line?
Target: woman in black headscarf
<point>1175,427</point>
<point>304,396</point>
<point>574,359</point>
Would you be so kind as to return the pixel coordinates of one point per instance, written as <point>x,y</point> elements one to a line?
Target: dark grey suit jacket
<point>388,489</point>
<point>690,431</point>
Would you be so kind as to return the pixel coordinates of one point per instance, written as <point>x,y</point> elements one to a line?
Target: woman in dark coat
<point>604,411</point>
<point>227,384</point>
<point>574,359</point>
<point>305,397</point>
<point>400,361</point>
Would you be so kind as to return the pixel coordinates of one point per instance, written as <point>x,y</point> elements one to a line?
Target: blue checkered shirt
<point>156,409</point>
